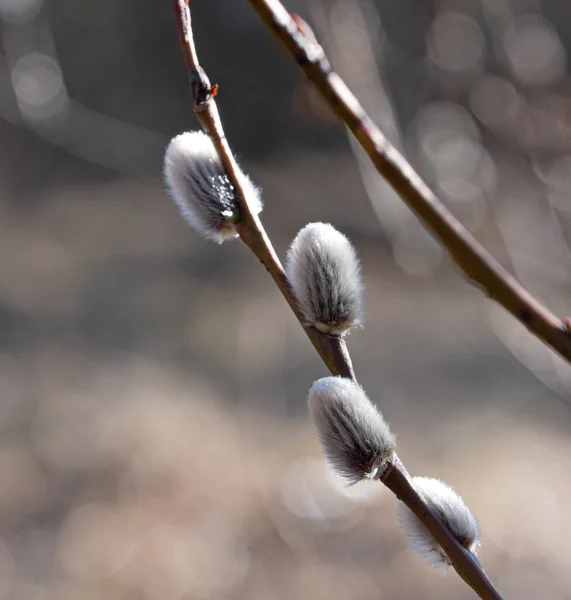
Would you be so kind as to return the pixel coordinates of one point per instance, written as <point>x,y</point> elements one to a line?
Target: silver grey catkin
<point>325,276</point>
<point>197,182</point>
<point>449,507</point>
<point>355,437</point>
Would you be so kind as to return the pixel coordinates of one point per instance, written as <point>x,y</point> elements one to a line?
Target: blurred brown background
<point>154,437</point>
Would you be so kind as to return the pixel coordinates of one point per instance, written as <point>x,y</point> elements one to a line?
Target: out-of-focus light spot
<point>415,252</point>
<point>557,179</point>
<point>97,542</point>
<point>39,87</point>
<point>533,51</point>
<point>455,42</point>
<point>469,202</point>
<point>452,155</point>
<point>312,491</point>
<point>456,157</point>
<point>443,119</point>
<point>348,24</point>
<point>447,142</point>
<point>488,173</point>
<point>494,101</point>
<point>19,11</point>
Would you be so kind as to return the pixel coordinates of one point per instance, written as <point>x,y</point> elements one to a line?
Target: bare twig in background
<point>354,39</point>
<point>472,259</point>
<point>332,349</point>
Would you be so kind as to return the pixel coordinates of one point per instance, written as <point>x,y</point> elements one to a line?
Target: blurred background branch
<point>473,260</point>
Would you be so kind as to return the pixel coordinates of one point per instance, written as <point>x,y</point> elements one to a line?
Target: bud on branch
<point>200,187</point>
<point>355,437</point>
<point>449,507</point>
<point>324,273</point>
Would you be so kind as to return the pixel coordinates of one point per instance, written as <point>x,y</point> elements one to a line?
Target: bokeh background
<point>154,439</point>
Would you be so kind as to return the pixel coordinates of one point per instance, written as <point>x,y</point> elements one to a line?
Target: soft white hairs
<point>355,437</point>
<point>449,507</point>
<point>325,276</point>
<point>198,184</point>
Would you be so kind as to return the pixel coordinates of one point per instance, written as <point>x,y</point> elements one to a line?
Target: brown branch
<point>471,258</point>
<point>464,562</point>
<point>332,350</point>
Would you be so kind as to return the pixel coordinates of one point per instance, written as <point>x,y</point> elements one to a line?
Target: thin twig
<point>463,561</point>
<point>332,350</point>
<point>473,260</point>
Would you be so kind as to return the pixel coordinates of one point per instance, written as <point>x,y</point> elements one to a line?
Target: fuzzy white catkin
<point>355,437</point>
<point>325,276</point>
<point>449,507</point>
<point>197,182</point>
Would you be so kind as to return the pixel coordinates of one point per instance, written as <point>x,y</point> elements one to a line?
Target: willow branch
<point>473,260</point>
<point>463,561</point>
<point>332,350</point>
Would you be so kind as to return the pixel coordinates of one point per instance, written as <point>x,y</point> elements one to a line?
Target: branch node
<point>201,89</point>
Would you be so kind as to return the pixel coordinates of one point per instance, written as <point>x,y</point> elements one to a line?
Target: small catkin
<point>198,184</point>
<point>325,276</point>
<point>449,507</point>
<point>355,437</point>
